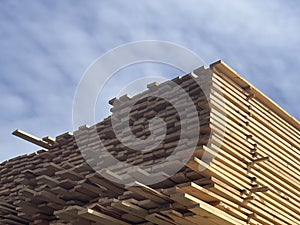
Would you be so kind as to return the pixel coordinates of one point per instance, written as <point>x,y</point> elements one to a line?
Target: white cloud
<point>46,46</point>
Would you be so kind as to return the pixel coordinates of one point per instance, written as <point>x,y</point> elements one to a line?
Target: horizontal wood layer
<point>247,172</point>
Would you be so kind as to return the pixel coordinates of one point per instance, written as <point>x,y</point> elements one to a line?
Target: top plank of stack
<point>252,176</point>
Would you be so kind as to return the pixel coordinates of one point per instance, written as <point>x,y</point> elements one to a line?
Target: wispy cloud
<point>47,45</point>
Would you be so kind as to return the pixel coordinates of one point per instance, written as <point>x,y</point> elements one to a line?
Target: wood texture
<point>252,173</point>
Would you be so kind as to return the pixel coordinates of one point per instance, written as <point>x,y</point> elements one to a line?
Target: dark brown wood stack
<point>252,171</point>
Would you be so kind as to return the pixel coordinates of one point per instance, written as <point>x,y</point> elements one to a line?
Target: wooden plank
<point>100,217</point>
<point>32,139</point>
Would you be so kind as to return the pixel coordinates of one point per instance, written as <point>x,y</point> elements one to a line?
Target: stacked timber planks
<point>247,173</point>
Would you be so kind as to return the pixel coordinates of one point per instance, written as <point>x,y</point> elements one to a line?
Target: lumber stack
<point>247,173</point>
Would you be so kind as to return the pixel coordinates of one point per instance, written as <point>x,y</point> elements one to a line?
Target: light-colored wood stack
<point>256,174</point>
<point>253,175</point>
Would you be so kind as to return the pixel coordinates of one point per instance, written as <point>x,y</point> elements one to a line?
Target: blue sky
<point>47,45</point>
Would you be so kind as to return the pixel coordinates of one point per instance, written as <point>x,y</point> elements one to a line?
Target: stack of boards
<point>245,173</point>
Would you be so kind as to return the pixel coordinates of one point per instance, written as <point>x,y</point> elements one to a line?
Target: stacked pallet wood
<point>246,174</point>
